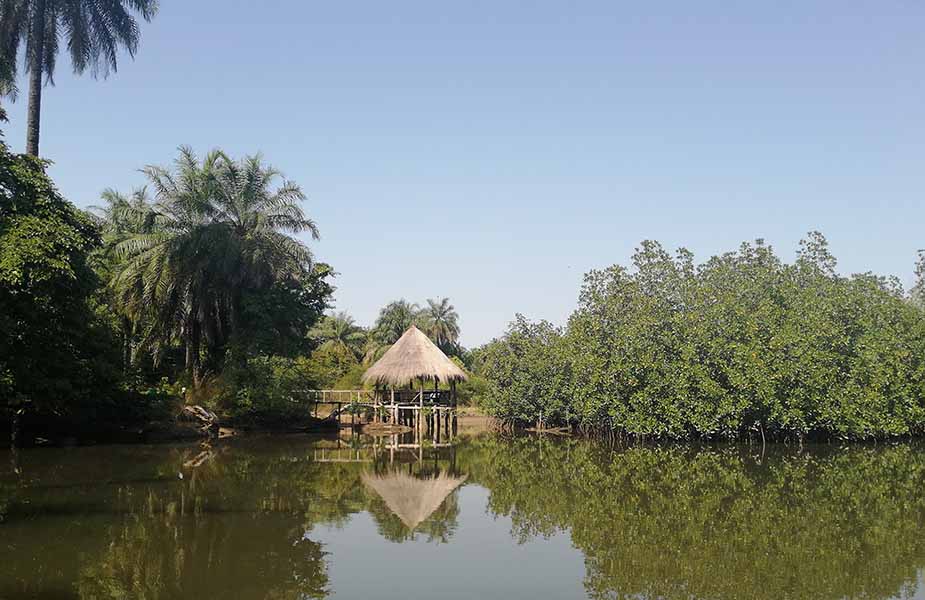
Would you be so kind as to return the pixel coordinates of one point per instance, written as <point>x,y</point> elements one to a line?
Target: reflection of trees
<point>126,525</point>
<point>672,522</point>
<point>232,527</point>
<point>218,556</point>
<point>714,523</point>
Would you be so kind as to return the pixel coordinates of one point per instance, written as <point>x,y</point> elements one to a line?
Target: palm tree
<point>340,332</point>
<point>216,230</point>
<point>394,319</point>
<point>119,218</point>
<point>441,323</point>
<point>94,32</point>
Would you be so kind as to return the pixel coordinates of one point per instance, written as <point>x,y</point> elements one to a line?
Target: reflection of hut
<point>415,357</point>
<point>412,499</point>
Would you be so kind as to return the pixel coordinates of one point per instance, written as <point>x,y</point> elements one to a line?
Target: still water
<point>486,517</point>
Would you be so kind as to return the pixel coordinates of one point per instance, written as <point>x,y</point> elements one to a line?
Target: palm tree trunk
<point>196,362</point>
<point>15,416</point>
<point>188,339</point>
<point>36,63</point>
<point>126,345</point>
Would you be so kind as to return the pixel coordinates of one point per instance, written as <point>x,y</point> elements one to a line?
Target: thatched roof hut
<point>412,499</point>
<point>413,356</point>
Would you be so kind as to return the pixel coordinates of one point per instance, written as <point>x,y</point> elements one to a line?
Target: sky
<point>493,152</point>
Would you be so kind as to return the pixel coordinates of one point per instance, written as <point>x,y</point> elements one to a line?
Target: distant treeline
<point>742,344</point>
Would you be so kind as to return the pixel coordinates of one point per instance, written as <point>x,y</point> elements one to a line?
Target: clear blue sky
<point>493,152</point>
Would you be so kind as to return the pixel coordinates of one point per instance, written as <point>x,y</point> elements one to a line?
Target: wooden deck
<point>425,409</point>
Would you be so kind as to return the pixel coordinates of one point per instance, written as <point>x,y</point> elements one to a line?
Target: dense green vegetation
<point>741,344</point>
<point>193,288</point>
<point>58,354</point>
<point>196,288</point>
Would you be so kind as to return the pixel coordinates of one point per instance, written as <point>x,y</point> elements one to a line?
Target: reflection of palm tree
<point>206,556</point>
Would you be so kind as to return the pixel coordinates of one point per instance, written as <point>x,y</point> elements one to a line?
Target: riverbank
<point>45,430</point>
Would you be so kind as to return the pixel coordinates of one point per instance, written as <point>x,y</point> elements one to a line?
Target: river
<point>486,516</point>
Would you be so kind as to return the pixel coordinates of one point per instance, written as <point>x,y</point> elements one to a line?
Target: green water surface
<point>291,517</point>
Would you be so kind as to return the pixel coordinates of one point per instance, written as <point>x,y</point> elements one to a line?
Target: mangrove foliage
<point>743,344</point>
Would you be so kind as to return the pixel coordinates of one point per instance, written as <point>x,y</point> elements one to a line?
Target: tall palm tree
<point>217,229</point>
<point>94,31</point>
<point>441,323</point>
<point>339,331</point>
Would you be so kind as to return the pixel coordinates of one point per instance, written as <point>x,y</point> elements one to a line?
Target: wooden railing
<point>384,397</point>
<point>395,406</point>
<point>341,396</point>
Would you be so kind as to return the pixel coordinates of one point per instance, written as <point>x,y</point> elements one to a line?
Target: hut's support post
<point>434,423</point>
<point>376,404</point>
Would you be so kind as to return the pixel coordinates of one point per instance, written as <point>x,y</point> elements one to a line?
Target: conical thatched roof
<point>412,499</point>
<point>413,356</point>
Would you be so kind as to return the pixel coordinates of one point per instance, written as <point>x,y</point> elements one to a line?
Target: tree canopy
<point>214,245</point>
<point>742,344</point>
<point>441,323</point>
<point>94,33</point>
<point>54,350</point>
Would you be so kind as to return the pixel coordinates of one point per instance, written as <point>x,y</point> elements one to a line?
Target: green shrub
<point>352,379</point>
<point>528,374</point>
<point>331,364</point>
<point>266,389</point>
<point>473,392</point>
<point>160,401</point>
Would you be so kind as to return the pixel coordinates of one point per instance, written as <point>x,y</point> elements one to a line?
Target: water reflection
<point>238,519</point>
<point>414,498</point>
